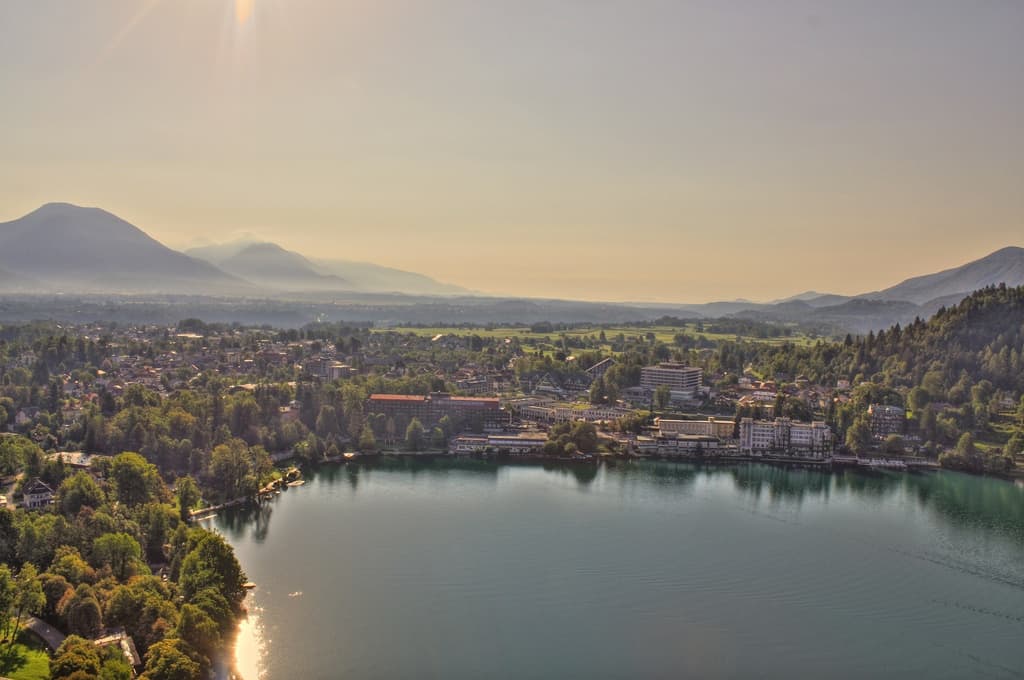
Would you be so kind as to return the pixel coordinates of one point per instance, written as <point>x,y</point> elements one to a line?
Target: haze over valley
<point>67,249</point>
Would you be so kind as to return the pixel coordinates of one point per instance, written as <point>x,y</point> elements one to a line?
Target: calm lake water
<point>632,570</point>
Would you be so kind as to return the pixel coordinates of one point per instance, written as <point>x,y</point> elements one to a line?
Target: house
<point>123,641</point>
<point>36,494</point>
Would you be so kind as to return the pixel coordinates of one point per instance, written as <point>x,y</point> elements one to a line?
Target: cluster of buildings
<point>778,438</point>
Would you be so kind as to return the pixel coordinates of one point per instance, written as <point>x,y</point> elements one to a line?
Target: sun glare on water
<point>243,10</point>
<point>251,645</point>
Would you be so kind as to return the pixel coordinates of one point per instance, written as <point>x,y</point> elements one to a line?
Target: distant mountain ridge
<point>345,274</point>
<point>68,246</point>
<point>270,265</point>
<point>61,247</point>
<point>1003,266</point>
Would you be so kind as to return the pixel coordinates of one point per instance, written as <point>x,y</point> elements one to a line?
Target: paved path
<point>50,635</point>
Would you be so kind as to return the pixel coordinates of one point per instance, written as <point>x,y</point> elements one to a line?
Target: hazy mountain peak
<point>1005,265</point>
<point>76,248</point>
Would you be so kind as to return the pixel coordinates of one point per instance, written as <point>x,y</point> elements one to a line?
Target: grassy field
<point>26,660</point>
<point>665,334</point>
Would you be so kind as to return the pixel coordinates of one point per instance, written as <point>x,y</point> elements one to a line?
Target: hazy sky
<point>627,150</point>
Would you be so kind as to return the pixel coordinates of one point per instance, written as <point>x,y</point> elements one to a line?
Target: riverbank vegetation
<point>113,553</point>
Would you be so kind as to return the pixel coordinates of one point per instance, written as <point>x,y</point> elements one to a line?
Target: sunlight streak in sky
<point>243,11</point>
<point>128,27</point>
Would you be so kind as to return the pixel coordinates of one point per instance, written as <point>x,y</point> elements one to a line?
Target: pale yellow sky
<point>596,149</point>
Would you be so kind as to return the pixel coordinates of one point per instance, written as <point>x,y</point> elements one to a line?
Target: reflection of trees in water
<point>779,483</point>
<point>584,473</point>
<point>966,500</point>
<point>255,517</point>
<point>659,473</point>
<point>427,464</point>
<point>972,501</point>
<point>876,484</point>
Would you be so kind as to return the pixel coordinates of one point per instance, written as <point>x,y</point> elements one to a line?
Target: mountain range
<point>62,247</point>
<point>272,265</point>
<point>66,248</point>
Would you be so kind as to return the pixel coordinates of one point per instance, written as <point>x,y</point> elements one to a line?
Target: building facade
<point>711,427</point>
<point>785,437</point>
<point>36,494</point>
<point>886,420</point>
<point>681,379</point>
<point>472,412</point>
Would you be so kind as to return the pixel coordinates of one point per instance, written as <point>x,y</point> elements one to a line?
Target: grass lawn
<point>26,660</point>
<point>664,334</point>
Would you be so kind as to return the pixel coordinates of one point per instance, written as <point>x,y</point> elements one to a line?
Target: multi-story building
<point>473,412</point>
<point>550,414</point>
<point>517,443</point>
<point>783,436</point>
<point>711,427</point>
<point>682,380</point>
<point>886,420</point>
<point>337,370</point>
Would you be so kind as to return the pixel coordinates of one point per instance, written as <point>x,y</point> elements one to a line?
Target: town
<point>333,392</point>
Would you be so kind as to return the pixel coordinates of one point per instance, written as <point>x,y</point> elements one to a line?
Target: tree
<point>83,613</point>
<point>136,480</point>
<point>75,655</point>
<point>68,563</point>
<point>197,629</point>
<point>437,439</point>
<point>212,564</point>
<point>115,668</point>
<point>367,442</point>
<point>119,551</point>
<point>29,598</point>
<point>7,596</point>
<point>858,437</point>
<point>327,423</point>
<point>1015,445</point>
<point>170,659</point>
<point>414,435</point>
<point>231,470</point>
<point>78,491</point>
<point>965,446</point>
<point>662,397</point>
<point>188,496</point>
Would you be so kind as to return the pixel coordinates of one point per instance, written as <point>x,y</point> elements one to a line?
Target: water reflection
<point>583,473</point>
<point>251,644</point>
<point>963,499</point>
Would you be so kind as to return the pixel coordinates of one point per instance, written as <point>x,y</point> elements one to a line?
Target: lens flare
<point>243,10</point>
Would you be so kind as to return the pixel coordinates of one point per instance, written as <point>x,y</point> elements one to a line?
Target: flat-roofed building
<point>711,427</point>
<point>681,380</point>
<point>783,436</point>
<point>478,412</point>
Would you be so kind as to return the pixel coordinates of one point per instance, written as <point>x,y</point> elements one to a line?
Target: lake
<point>470,569</point>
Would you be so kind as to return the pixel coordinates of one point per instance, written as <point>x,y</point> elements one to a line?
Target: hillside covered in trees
<point>954,373</point>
